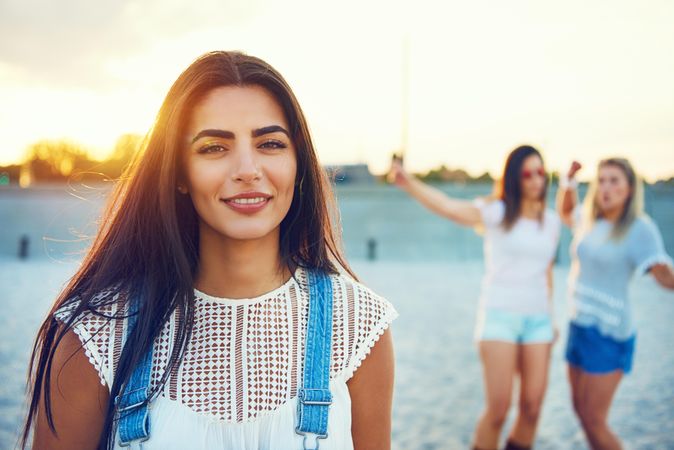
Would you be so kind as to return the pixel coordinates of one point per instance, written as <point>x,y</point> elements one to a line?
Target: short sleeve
<point>362,318</point>
<point>645,246</point>
<point>491,211</point>
<point>99,333</point>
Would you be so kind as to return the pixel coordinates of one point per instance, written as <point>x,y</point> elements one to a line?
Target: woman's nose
<point>246,167</point>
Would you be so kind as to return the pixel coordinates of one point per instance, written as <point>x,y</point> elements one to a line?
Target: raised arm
<point>567,197</point>
<point>78,401</point>
<point>462,212</point>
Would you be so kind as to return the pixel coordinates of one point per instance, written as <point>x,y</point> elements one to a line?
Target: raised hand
<point>575,167</point>
<point>397,174</point>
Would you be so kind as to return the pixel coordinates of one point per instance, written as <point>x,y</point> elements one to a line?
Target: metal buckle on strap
<point>128,443</point>
<point>316,402</point>
<point>126,407</point>
<point>308,435</point>
<point>122,394</point>
<point>315,396</point>
<point>145,437</point>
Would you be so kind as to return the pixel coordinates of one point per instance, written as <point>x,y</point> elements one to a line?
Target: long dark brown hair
<point>509,188</point>
<point>147,244</point>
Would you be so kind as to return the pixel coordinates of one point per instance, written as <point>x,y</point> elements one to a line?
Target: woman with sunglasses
<point>514,329</point>
<point>612,240</point>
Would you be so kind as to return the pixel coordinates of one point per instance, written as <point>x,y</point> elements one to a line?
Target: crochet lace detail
<point>245,357</point>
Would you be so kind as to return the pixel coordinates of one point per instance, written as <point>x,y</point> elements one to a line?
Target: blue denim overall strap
<point>134,420</point>
<point>314,396</point>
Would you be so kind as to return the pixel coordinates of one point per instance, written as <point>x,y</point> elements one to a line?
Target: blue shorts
<point>588,349</point>
<point>504,326</point>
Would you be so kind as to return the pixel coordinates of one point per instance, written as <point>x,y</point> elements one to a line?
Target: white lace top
<point>237,385</point>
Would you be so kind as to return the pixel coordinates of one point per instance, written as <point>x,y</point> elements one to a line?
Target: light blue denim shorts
<point>505,326</point>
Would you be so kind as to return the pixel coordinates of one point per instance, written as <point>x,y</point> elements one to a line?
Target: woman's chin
<point>247,233</point>
<point>607,209</point>
<point>533,197</point>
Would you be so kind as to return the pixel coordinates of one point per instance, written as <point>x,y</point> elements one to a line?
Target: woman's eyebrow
<point>267,130</point>
<point>229,135</point>
<point>213,133</point>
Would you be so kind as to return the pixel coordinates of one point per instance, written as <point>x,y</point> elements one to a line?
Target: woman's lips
<point>247,204</point>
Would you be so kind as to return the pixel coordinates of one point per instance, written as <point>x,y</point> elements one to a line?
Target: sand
<point>438,391</point>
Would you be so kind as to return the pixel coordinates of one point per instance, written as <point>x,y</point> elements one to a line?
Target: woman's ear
<point>182,188</point>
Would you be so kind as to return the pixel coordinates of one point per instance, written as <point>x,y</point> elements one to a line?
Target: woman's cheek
<point>287,173</point>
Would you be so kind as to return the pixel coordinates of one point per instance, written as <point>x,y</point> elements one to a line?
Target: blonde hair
<point>634,205</point>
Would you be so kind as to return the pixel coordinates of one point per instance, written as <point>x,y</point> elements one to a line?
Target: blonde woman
<point>613,239</point>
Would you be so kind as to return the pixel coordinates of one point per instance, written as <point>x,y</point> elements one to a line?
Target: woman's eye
<point>211,149</point>
<point>273,144</point>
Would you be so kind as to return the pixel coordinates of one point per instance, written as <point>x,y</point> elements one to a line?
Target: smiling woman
<point>215,308</point>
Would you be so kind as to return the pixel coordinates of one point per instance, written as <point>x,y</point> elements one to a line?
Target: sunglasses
<point>526,174</point>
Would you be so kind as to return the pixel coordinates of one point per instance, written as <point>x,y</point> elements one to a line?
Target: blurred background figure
<point>613,240</point>
<point>515,328</point>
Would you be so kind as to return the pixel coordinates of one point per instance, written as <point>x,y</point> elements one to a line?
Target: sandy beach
<point>438,390</point>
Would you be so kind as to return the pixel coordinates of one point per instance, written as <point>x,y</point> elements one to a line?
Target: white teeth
<point>247,201</point>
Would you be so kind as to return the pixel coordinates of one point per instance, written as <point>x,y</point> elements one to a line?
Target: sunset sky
<point>578,79</point>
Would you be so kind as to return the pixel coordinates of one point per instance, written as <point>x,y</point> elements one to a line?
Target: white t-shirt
<point>517,260</point>
<point>237,386</point>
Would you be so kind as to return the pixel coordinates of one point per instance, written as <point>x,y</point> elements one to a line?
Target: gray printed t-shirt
<point>602,268</point>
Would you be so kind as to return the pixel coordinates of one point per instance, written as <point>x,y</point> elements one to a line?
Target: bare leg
<point>499,362</point>
<point>592,396</point>
<point>534,362</point>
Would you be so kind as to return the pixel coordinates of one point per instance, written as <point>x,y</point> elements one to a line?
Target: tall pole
<point>405,86</point>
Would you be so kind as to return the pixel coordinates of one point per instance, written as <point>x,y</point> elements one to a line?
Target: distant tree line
<point>53,161</point>
<point>444,174</point>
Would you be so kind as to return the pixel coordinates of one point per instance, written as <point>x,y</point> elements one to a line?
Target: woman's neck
<point>531,209</point>
<point>233,268</point>
<point>612,215</point>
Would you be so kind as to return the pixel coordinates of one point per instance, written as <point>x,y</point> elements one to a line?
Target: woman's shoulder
<point>363,297</point>
<point>98,322</point>
<point>491,209</point>
<point>346,288</point>
<point>102,301</point>
<point>644,223</point>
<point>552,216</point>
<point>488,202</point>
<point>361,317</point>
<point>643,228</point>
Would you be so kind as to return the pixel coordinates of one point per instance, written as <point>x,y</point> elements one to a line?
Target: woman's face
<point>240,162</point>
<point>532,178</point>
<point>613,189</point>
